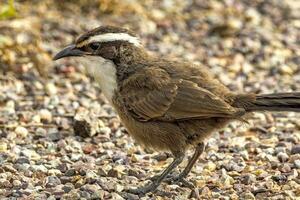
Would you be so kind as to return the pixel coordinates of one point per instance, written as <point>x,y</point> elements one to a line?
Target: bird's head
<point>105,53</point>
<point>104,41</point>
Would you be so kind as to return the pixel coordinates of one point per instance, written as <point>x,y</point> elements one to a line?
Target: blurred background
<point>249,45</point>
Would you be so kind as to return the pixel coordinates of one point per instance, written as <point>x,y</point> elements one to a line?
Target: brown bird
<point>165,104</point>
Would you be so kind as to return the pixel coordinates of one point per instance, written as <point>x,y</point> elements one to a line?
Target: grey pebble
<point>248,179</point>
<point>22,160</point>
<point>279,178</point>
<point>85,194</point>
<point>70,172</point>
<point>65,179</point>
<point>52,181</point>
<point>68,187</point>
<point>295,149</point>
<point>297,164</point>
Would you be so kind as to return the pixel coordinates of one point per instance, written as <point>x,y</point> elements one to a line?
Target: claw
<point>179,180</point>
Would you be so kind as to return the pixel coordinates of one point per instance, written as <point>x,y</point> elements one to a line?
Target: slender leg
<point>151,187</point>
<point>180,178</point>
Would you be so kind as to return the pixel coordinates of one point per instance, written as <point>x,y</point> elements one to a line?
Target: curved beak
<point>70,50</point>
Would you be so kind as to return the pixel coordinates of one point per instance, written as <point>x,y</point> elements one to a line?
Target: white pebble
<point>21,131</point>
<point>17,183</point>
<point>45,115</point>
<point>51,89</point>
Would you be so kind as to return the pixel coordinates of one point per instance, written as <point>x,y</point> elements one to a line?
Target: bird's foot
<point>144,189</point>
<point>180,180</point>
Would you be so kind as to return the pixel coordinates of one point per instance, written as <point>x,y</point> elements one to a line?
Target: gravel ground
<point>249,45</point>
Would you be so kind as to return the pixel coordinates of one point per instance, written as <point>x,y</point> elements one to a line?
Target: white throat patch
<point>110,37</point>
<point>104,73</point>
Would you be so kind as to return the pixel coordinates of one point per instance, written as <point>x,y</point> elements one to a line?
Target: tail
<point>269,102</point>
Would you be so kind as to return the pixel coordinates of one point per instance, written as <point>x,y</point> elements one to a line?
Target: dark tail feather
<point>269,102</point>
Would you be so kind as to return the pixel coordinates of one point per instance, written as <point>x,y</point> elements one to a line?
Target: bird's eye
<point>95,46</point>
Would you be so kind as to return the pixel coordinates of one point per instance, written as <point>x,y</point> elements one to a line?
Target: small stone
<point>248,196</point>
<point>88,148</point>
<point>4,183</point>
<point>51,89</point>
<point>114,173</point>
<point>210,166</point>
<point>99,194</point>
<point>282,157</point>
<point>41,168</point>
<point>45,115</point>
<point>21,131</point>
<point>75,156</point>
<point>102,172</point>
<point>70,172</point>
<point>52,197</point>
<point>285,69</point>
<point>68,187</point>
<point>80,183</point>
<point>31,154</point>
<point>3,147</point>
<point>85,194</point>
<point>73,194</point>
<point>17,183</point>
<point>295,149</point>
<point>248,179</point>
<point>285,168</point>
<point>297,164</point>
<point>119,188</point>
<point>65,179</point>
<point>54,172</point>
<point>108,145</point>
<point>52,181</point>
<point>160,157</point>
<point>116,196</point>
<point>55,136</point>
<point>22,160</point>
<point>63,167</point>
<point>279,178</point>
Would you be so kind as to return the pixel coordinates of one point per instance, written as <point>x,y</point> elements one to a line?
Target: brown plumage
<point>166,104</point>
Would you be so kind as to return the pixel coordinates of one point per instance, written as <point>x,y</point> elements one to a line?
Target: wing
<point>152,95</point>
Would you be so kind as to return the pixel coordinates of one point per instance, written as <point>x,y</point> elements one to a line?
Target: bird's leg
<point>156,182</point>
<point>181,177</point>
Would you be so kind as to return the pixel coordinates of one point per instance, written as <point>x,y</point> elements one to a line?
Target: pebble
<point>248,179</point>
<point>21,131</point>
<point>67,187</point>
<point>297,164</point>
<point>52,181</point>
<point>248,196</point>
<point>31,154</point>
<point>295,149</point>
<point>3,147</point>
<point>116,196</point>
<point>51,88</point>
<point>45,115</point>
<point>282,157</point>
<point>17,183</point>
<point>279,178</point>
<point>22,160</point>
<point>285,168</point>
<point>41,168</point>
<point>70,172</point>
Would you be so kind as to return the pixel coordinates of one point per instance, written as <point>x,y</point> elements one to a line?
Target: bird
<point>165,104</point>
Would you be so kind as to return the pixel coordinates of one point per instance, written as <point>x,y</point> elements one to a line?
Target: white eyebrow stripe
<point>110,37</point>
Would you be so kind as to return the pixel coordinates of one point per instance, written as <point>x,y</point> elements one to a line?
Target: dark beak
<point>70,50</point>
